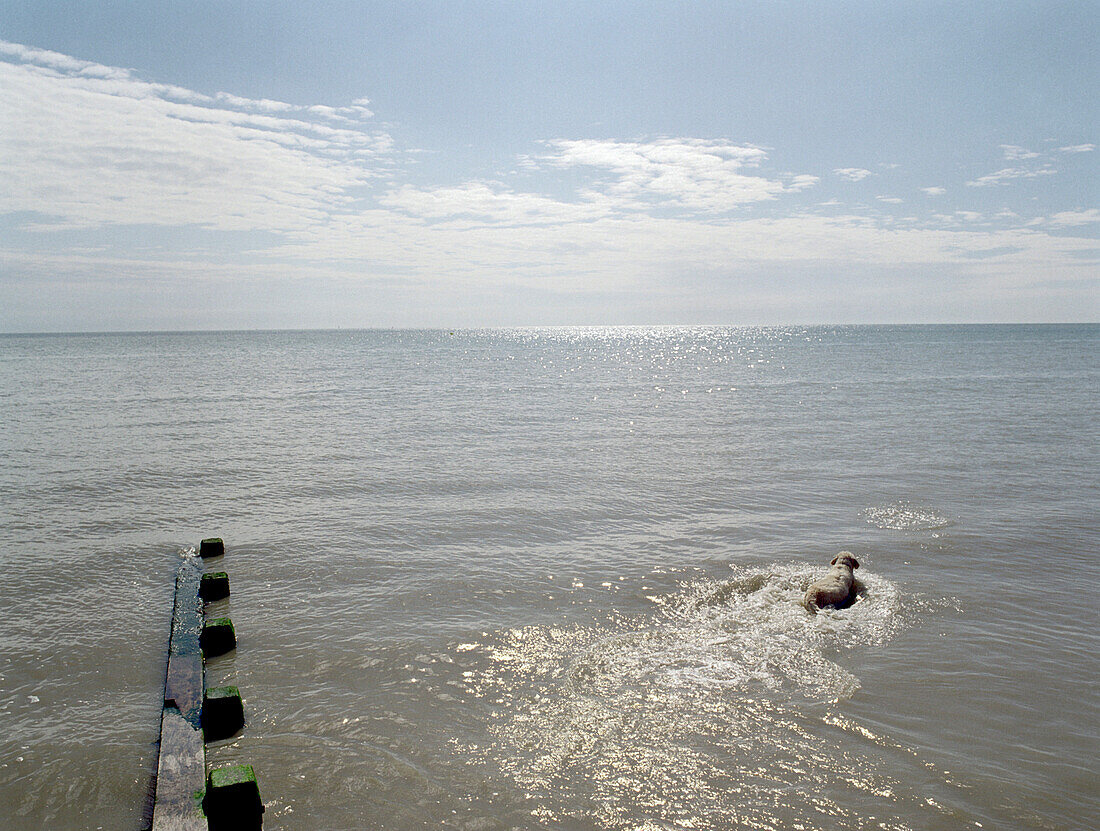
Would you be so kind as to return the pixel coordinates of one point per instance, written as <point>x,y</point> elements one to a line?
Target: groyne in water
<point>186,797</point>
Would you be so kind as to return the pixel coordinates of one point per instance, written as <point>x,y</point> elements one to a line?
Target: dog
<point>835,588</point>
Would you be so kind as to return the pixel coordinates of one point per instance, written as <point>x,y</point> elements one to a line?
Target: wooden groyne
<point>186,797</point>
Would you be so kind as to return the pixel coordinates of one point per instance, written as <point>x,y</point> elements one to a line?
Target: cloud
<point>696,175</point>
<point>1070,219</point>
<point>1008,174</point>
<point>893,200</point>
<point>490,203</point>
<point>852,174</point>
<point>801,182</point>
<point>614,253</point>
<point>1014,153</point>
<point>60,62</point>
<point>92,145</point>
<point>684,177</point>
<point>990,253</point>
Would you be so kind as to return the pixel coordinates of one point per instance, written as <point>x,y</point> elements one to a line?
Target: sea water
<point>550,578</point>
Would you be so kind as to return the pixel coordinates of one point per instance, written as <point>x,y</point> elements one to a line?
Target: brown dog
<point>835,588</point>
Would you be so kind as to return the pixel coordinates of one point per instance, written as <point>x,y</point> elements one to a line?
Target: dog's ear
<point>832,562</point>
<point>855,563</point>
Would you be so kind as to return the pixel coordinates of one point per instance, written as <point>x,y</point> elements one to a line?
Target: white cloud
<point>1070,219</point>
<point>1077,148</point>
<point>483,202</point>
<point>893,200</point>
<point>1013,153</point>
<point>698,175</point>
<point>957,219</point>
<point>934,191</point>
<point>629,156</point>
<point>1008,174</point>
<point>60,62</point>
<point>801,182</point>
<point>683,176</point>
<point>641,252</point>
<point>852,174</point>
<point>93,145</point>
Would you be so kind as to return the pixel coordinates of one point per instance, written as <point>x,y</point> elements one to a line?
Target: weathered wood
<point>181,764</point>
<point>180,776</point>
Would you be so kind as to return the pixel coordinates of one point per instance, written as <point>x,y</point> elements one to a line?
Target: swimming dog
<point>835,588</point>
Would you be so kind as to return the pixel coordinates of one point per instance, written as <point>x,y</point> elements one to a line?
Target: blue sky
<point>297,165</point>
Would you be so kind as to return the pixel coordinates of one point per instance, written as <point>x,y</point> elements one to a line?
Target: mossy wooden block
<point>218,637</point>
<point>214,586</point>
<point>222,713</point>
<point>212,547</point>
<point>232,800</point>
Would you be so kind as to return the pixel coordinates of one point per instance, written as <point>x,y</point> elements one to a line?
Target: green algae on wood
<point>214,586</point>
<point>218,637</point>
<point>212,547</point>
<point>222,713</point>
<point>233,799</point>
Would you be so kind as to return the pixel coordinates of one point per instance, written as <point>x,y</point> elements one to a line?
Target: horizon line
<point>453,329</point>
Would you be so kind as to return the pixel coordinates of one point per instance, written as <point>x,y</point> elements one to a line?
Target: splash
<point>752,630</point>
<point>707,714</point>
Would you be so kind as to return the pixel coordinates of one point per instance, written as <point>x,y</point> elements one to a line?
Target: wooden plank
<point>181,764</point>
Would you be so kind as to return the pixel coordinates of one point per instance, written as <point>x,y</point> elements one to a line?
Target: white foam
<point>749,631</point>
<point>752,629</point>
<point>710,688</point>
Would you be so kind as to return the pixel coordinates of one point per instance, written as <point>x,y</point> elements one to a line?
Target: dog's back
<point>835,587</point>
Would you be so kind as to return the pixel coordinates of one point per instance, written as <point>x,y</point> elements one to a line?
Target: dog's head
<point>845,558</point>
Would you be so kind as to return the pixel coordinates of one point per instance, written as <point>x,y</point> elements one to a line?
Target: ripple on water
<point>904,516</point>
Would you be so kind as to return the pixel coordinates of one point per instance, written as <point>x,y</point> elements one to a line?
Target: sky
<point>211,165</point>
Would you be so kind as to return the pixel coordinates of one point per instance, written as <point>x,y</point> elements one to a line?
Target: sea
<point>550,578</point>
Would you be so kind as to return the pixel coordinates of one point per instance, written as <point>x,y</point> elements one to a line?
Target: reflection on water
<point>902,516</point>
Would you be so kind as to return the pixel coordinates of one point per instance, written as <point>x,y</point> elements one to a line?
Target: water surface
<point>550,578</point>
